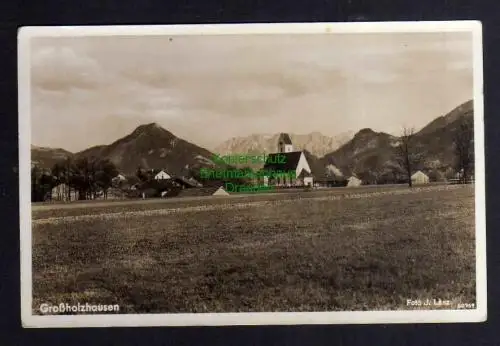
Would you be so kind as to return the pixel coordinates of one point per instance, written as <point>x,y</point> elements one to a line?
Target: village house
<point>119,180</point>
<point>162,175</point>
<point>419,178</point>
<point>354,181</point>
<point>186,182</point>
<point>330,177</point>
<point>324,181</point>
<point>163,187</point>
<point>119,177</point>
<point>459,177</point>
<point>62,192</point>
<point>293,164</point>
<point>135,186</point>
<point>203,192</point>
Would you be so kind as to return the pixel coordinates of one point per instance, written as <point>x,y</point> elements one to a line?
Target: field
<point>340,249</point>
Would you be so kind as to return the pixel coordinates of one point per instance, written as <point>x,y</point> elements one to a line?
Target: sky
<point>88,91</point>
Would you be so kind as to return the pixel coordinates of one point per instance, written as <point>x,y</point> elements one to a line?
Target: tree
<point>449,173</point>
<point>463,141</point>
<point>68,175</point>
<point>104,172</point>
<point>46,184</point>
<point>80,177</point>
<point>388,177</point>
<point>374,168</point>
<point>331,172</point>
<point>35,175</point>
<point>92,172</point>
<point>141,174</point>
<point>367,177</point>
<point>41,184</point>
<point>85,175</point>
<point>62,172</point>
<point>58,171</point>
<point>91,175</point>
<point>433,175</point>
<point>344,162</point>
<point>407,153</point>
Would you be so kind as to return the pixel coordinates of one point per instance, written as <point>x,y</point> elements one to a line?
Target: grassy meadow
<point>336,250</point>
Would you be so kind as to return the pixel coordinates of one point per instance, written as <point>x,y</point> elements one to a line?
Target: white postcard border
<point>263,318</point>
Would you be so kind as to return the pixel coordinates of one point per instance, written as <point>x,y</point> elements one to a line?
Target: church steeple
<point>285,143</point>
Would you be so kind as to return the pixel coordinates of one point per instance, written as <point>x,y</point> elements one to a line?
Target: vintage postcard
<point>321,173</point>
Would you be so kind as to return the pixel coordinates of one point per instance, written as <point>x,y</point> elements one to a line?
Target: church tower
<point>285,143</point>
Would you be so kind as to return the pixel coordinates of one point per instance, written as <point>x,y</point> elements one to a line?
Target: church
<point>287,160</point>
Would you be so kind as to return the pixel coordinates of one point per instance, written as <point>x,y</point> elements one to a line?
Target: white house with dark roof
<point>419,178</point>
<point>293,166</point>
<point>120,178</point>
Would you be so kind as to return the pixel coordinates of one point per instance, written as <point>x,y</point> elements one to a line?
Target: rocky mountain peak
<point>365,133</point>
<point>149,129</point>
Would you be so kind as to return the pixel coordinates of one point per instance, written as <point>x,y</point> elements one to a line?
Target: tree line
<point>84,178</point>
<point>409,155</point>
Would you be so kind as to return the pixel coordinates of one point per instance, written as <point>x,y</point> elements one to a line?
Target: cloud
<point>61,68</point>
<point>233,94</point>
<point>147,102</point>
<point>256,93</point>
<point>197,85</point>
<point>166,114</point>
<point>147,76</point>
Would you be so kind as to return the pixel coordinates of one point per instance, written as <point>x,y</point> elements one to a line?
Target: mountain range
<point>376,152</point>
<point>151,146</point>
<point>315,142</point>
<point>46,157</point>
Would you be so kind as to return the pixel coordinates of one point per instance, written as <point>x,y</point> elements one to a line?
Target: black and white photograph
<point>245,174</point>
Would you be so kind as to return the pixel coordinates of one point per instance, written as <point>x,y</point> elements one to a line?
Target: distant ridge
<point>314,142</point>
<point>45,157</point>
<point>365,152</point>
<point>370,152</point>
<point>152,147</point>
